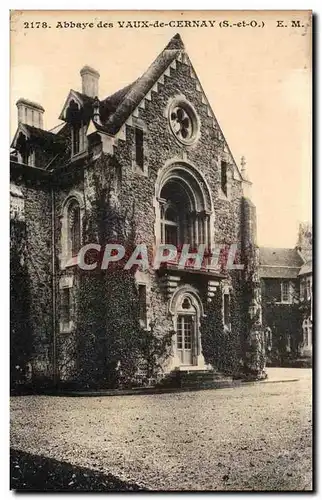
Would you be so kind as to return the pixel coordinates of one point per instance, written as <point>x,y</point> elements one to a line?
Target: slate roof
<point>306,268</point>
<point>279,263</point>
<point>116,108</point>
<point>43,135</point>
<point>137,90</point>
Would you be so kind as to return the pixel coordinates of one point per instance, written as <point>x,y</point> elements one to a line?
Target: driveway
<point>254,437</point>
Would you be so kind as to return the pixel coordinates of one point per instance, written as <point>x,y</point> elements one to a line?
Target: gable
<point>119,109</point>
<point>81,99</point>
<point>20,129</point>
<point>136,95</point>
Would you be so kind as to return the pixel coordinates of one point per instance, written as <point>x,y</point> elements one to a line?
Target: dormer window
<point>25,152</point>
<point>74,117</point>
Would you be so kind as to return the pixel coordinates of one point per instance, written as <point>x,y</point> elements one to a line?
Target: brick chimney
<point>30,113</point>
<point>90,79</point>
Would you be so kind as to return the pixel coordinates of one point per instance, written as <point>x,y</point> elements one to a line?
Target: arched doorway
<point>186,332</point>
<point>186,309</point>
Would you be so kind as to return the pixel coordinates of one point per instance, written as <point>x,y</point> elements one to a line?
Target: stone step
<point>195,380</point>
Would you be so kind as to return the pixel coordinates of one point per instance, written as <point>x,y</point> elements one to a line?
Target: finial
<point>96,111</point>
<point>243,167</point>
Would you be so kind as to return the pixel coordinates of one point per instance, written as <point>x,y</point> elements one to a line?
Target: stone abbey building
<point>154,156</point>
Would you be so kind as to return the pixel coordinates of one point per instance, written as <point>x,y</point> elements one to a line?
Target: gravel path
<point>256,437</point>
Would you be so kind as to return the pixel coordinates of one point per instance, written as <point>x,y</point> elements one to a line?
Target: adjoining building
<point>287,297</point>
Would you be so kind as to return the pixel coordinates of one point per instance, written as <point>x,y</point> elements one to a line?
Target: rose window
<point>181,123</point>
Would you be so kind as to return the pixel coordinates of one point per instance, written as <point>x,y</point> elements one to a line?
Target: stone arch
<point>181,293</point>
<point>188,173</point>
<point>193,196</point>
<point>73,199</point>
<point>186,309</point>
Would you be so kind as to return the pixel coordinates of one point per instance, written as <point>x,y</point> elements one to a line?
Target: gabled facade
<point>154,153</point>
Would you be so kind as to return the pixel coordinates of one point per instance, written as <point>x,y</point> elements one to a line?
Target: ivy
<point>111,344</point>
<point>221,345</point>
<point>21,338</point>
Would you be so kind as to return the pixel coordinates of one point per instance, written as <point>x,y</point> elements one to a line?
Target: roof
<point>110,104</point>
<point>306,268</point>
<point>279,262</point>
<point>127,99</point>
<point>39,133</point>
<point>306,253</point>
<point>116,108</point>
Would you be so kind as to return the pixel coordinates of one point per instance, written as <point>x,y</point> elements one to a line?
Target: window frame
<point>139,125</point>
<point>67,259</point>
<point>181,102</point>
<point>66,290</point>
<point>75,134</point>
<point>74,230</point>
<point>164,222</point>
<point>289,298</point>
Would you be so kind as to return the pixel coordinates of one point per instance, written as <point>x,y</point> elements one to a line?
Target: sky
<point>257,80</point>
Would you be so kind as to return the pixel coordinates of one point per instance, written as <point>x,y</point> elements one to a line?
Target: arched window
<point>74,227</point>
<point>181,219</point>
<point>71,229</point>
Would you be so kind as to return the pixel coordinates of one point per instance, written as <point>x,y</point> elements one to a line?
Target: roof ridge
<point>144,84</point>
<point>175,43</point>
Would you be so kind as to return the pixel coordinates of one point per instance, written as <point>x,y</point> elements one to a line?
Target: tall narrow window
<point>76,139</point>
<point>74,228</point>
<point>139,156</point>
<point>142,305</point>
<point>65,307</point>
<point>226,309</point>
<point>23,148</point>
<point>224,177</point>
<point>285,292</point>
<point>170,225</point>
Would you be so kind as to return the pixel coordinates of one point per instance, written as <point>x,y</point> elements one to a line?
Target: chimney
<point>89,81</point>
<point>30,113</point>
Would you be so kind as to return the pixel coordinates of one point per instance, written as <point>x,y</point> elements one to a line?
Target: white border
<point>4,171</point>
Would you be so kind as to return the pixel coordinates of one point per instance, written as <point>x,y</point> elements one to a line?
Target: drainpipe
<point>53,264</point>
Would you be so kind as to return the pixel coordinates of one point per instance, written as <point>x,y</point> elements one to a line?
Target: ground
<point>254,437</point>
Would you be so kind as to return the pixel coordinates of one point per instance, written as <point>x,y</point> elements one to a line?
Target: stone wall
<point>36,257</point>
